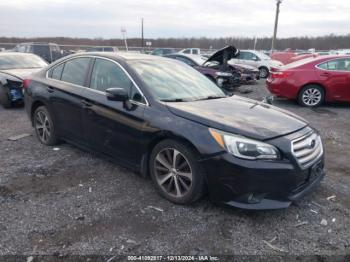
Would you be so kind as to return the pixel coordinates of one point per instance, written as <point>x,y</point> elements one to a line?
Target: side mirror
<point>117,94</point>
<point>255,58</point>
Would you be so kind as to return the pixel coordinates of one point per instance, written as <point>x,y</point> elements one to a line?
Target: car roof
<point>16,54</point>
<point>125,56</point>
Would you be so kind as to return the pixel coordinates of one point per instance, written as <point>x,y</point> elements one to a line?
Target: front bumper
<point>260,184</point>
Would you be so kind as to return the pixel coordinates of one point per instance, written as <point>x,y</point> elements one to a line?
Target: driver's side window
<point>106,74</point>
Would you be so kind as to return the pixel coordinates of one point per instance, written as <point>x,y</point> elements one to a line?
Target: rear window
<point>57,72</point>
<point>75,71</point>
<point>298,63</point>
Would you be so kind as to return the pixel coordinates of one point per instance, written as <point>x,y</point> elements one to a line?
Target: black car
<point>165,119</point>
<point>14,67</point>
<point>48,51</point>
<point>163,51</point>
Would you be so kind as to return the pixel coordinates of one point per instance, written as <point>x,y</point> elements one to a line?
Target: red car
<point>313,81</point>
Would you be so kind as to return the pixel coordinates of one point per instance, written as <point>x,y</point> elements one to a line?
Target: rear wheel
<point>4,98</point>
<point>176,172</point>
<point>263,72</point>
<point>44,126</point>
<point>311,96</point>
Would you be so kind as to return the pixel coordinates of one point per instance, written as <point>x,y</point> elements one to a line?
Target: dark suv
<point>48,51</point>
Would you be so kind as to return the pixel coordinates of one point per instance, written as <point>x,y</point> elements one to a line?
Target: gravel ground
<point>63,200</point>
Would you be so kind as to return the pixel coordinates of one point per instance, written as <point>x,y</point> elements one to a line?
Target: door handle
<point>325,74</point>
<point>86,103</point>
<point>50,89</point>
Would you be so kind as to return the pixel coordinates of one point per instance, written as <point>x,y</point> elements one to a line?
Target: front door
<point>111,127</point>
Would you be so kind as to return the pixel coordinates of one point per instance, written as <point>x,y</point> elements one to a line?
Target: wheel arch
<point>163,135</point>
<point>34,106</point>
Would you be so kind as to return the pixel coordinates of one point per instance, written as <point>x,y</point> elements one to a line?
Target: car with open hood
<point>14,67</point>
<point>226,80</point>
<point>170,122</point>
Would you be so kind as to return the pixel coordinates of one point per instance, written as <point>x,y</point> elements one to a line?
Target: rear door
<point>67,89</point>
<point>335,74</point>
<point>112,127</point>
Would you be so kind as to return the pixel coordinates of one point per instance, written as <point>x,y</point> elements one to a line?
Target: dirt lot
<point>66,201</point>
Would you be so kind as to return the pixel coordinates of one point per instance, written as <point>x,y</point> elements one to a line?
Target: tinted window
<point>108,49</point>
<point>107,74</point>
<point>187,51</point>
<point>57,72</point>
<point>195,52</point>
<point>75,71</point>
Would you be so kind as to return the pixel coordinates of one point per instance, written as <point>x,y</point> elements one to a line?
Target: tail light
<point>26,83</point>
<point>281,74</point>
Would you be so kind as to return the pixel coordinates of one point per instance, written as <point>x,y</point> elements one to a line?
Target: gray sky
<point>172,18</point>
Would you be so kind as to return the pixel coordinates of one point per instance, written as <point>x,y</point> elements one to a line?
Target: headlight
<point>242,147</point>
<point>220,81</point>
<point>223,74</point>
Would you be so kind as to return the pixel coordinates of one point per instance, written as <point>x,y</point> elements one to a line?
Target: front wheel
<point>44,126</point>
<point>176,173</point>
<point>311,96</point>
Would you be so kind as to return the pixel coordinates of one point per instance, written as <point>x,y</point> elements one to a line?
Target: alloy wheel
<point>173,172</point>
<point>42,126</point>
<point>263,72</point>
<point>311,97</point>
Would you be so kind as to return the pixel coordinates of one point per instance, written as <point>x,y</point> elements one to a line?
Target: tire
<point>44,126</point>
<point>4,98</point>
<point>182,183</point>
<point>263,72</point>
<point>311,96</point>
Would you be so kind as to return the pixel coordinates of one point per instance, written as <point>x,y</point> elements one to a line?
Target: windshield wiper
<point>174,100</point>
<point>210,97</point>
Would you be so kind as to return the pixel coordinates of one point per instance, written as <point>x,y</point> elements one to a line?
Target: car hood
<point>219,56</point>
<point>240,115</point>
<point>21,73</point>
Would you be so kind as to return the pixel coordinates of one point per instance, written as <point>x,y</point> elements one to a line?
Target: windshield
<point>14,61</point>
<point>174,81</point>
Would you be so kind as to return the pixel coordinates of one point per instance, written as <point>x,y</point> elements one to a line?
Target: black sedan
<point>165,119</point>
<point>14,67</point>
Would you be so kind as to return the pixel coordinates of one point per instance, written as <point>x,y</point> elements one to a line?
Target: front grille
<point>307,149</point>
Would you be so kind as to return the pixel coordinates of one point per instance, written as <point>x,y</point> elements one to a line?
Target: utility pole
<point>142,41</point>
<point>123,30</point>
<point>278,2</point>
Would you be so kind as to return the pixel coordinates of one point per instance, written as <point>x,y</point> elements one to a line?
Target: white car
<point>258,59</point>
<point>191,51</point>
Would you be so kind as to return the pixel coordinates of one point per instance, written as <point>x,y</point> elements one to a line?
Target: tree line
<point>327,42</point>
